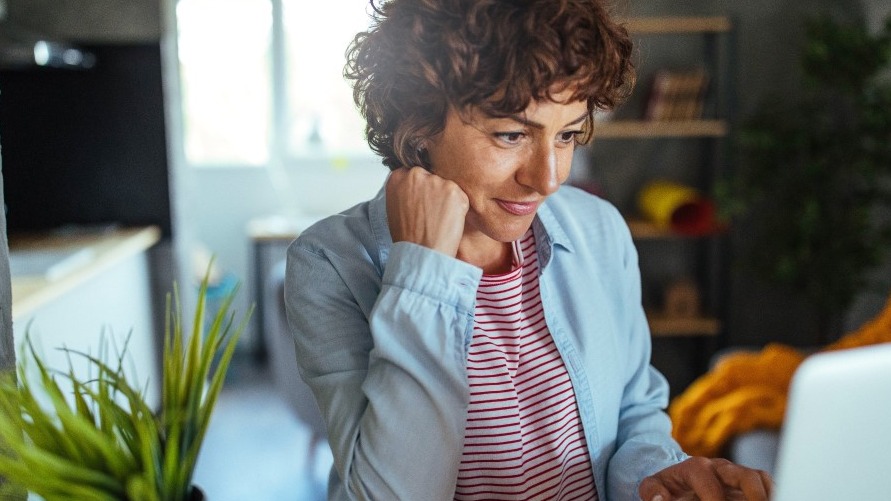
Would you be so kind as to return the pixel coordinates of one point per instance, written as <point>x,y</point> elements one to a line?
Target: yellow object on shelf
<point>675,206</point>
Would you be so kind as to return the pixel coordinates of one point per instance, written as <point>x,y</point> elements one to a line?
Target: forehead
<point>559,107</point>
<point>563,112</point>
<point>563,95</point>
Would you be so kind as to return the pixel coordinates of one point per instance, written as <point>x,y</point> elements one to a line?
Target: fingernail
<point>657,497</point>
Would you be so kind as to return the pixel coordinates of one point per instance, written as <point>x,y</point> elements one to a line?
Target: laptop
<point>836,439</point>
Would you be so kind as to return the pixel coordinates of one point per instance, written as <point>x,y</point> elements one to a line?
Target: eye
<point>568,136</point>
<point>510,137</point>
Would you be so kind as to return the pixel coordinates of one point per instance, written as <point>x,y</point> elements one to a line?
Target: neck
<point>493,257</point>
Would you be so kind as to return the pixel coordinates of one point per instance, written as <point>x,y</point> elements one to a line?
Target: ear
<point>424,154</point>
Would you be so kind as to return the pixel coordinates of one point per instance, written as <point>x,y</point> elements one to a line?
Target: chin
<point>512,231</point>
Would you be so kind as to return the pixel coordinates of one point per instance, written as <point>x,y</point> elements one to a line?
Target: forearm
<point>392,385</point>
<point>644,442</point>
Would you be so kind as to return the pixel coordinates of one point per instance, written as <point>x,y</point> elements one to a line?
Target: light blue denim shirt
<point>382,332</point>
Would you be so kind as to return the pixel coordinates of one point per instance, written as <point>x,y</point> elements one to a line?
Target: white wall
<point>219,203</point>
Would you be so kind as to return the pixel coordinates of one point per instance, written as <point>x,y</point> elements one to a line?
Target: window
<point>262,80</point>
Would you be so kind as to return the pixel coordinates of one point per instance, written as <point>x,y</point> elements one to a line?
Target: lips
<point>518,208</point>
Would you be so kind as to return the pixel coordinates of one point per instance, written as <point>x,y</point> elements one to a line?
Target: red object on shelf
<point>695,218</point>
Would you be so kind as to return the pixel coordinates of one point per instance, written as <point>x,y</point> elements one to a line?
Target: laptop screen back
<point>836,437</point>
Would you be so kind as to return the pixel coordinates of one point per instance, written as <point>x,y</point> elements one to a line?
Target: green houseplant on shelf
<point>104,442</point>
<point>814,184</point>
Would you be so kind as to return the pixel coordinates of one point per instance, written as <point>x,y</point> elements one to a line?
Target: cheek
<point>454,159</point>
<point>476,170</point>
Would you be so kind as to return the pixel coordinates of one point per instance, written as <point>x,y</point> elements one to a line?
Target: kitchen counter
<point>45,266</point>
<point>87,289</point>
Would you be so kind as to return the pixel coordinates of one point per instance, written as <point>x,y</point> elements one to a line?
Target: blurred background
<point>225,127</point>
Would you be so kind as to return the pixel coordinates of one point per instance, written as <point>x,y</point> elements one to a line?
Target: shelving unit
<point>641,229</point>
<point>662,326</point>
<point>678,25</point>
<point>626,129</point>
<point>710,131</point>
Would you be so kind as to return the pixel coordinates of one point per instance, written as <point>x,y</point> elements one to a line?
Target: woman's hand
<point>707,480</point>
<point>426,209</point>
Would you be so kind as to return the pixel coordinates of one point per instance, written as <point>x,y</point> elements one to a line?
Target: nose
<point>541,172</point>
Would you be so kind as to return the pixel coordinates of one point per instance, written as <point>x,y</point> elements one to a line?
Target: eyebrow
<point>525,121</point>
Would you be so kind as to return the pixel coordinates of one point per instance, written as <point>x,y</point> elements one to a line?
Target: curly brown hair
<point>421,57</point>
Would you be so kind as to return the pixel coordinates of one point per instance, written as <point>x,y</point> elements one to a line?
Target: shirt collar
<point>549,232</point>
<point>377,213</point>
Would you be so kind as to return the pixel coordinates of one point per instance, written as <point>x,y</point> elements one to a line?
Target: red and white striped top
<point>524,439</point>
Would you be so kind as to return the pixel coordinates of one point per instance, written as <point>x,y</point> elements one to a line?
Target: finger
<point>694,478</point>
<point>405,175</point>
<point>652,489</point>
<point>747,480</point>
<point>425,209</point>
<point>767,481</point>
<point>395,178</point>
<point>704,481</point>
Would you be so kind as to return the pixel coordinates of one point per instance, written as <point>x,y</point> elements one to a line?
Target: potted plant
<point>104,442</point>
<point>813,186</point>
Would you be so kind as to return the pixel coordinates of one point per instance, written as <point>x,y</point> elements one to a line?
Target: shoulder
<point>569,200</point>
<point>586,216</point>
<point>335,263</point>
<point>347,225</point>
<point>348,234</point>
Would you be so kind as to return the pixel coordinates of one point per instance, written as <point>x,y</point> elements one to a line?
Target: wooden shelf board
<point>645,230</point>
<point>661,326</point>
<point>678,25</point>
<point>641,229</point>
<point>618,129</point>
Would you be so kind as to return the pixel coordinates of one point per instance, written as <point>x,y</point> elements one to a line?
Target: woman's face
<point>507,166</point>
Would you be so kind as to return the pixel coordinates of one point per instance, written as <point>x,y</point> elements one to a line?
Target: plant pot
<point>196,494</point>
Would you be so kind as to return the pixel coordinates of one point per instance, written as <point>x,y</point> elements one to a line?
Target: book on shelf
<point>677,95</point>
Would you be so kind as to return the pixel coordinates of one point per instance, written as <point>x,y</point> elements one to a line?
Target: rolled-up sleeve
<point>643,442</point>
<point>386,364</point>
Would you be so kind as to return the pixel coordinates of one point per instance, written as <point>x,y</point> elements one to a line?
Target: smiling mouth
<point>518,208</point>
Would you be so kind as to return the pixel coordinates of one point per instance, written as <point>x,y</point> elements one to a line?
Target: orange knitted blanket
<point>747,390</point>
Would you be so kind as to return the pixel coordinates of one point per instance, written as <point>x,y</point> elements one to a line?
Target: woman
<point>475,331</point>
